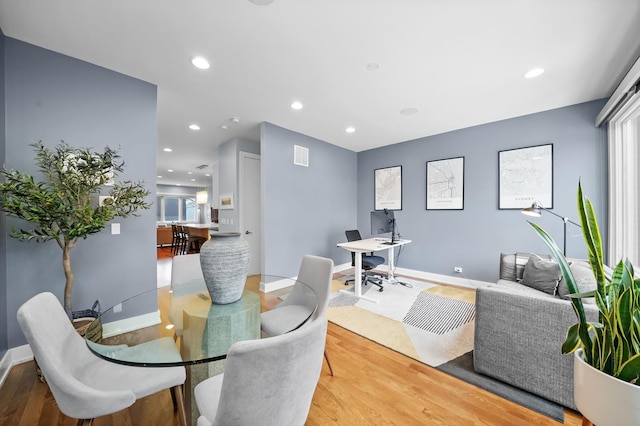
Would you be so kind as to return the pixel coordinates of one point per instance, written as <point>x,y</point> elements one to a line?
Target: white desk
<point>366,246</point>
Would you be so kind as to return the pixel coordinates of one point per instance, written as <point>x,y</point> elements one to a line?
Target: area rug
<point>424,321</point>
<point>431,323</point>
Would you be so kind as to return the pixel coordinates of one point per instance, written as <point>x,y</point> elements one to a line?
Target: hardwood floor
<point>372,385</point>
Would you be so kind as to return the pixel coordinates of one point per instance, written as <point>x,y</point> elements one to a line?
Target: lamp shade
<point>202,197</point>
<point>534,210</point>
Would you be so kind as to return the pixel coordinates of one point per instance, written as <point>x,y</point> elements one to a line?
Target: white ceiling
<point>459,62</point>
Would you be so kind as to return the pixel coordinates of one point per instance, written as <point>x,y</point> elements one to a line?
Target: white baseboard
<point>14,356</point>
<point>275,285</point>
<point>413,273</point>
<point>284,283</point>
<point>444,279</point>
<point>130,324</point>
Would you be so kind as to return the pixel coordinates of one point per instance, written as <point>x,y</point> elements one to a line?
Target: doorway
<point>251,208</point>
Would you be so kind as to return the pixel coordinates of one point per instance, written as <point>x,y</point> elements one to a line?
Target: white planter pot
<point>602,398</point>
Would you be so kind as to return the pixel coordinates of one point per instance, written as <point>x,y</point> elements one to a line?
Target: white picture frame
<point>226,201</point>
<point>525,177</point>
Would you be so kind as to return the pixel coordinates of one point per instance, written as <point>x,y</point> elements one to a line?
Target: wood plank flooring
<point>372,385</point>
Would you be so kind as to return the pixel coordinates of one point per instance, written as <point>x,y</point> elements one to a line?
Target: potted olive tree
<point>65,205</point>
<point>607,352</point>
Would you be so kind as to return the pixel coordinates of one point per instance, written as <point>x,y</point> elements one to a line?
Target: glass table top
<point>187,328</point>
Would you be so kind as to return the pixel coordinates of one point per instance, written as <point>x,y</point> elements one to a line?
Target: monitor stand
<point>394,240</point>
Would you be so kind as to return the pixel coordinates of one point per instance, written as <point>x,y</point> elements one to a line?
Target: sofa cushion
<point>512,265</point>
<point>541,274</point>
<point>585,281</point>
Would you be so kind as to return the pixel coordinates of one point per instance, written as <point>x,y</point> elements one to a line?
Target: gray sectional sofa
<point>519,330</point>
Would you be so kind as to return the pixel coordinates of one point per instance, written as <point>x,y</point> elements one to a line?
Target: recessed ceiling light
<point>409,111</point>
<point>207,174</point>
<point>373,66</point>
<point>224,127</point>
<point>193,180</point>
<point>534,73</point>
<point>296,105</point>
<point>350,129</point>
<point>234,119</point>
<point>200,62</point>
<point>170,170</point>
<point>159,177</point>
<point>261,2</point>
<point>189,173</point>
<point>167,149</point>
<point>194,127</point>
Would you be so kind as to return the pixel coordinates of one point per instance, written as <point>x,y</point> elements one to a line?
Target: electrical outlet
<point>457,269</point>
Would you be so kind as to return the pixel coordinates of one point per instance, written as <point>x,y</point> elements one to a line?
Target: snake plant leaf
<point>630,370</point>
<point>592,238</point>
<point>583,295</point>
<point>572,342</point>
<point>567,275</point>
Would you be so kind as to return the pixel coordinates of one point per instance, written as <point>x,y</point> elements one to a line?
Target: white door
<point>251,208</point>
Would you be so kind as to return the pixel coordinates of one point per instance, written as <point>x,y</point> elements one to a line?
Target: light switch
<point>115,228</point>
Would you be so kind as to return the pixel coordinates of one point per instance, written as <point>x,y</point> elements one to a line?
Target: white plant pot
<point>602,398</point>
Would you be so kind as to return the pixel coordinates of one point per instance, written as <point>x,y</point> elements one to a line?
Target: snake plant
<point>611,345</point>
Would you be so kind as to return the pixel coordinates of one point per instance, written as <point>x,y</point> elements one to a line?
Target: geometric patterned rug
<point>428,322</point>
<point>438,314</point>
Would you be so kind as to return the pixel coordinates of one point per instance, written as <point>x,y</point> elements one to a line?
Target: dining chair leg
<point>326,357</point>
<point>85,422</point>
<point>177,390</point>
<point>173,399</point>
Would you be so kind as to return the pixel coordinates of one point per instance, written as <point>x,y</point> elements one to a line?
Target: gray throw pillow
<point>585,281</point>
<point>543,275</point>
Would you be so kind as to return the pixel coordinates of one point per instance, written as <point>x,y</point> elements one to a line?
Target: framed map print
<point>445,184</point>
<point>526,176</point>
<point>388,188</point>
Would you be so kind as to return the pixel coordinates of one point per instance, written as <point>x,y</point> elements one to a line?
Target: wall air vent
<point>300,156</point>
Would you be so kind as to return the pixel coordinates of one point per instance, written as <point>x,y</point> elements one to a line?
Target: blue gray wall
<point>52,97</point>
<point>474,237</point>
<point>4,344</point>
<point>305,209</point>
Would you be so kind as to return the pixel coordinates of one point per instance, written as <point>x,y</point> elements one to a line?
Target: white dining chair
<point>316,272</point>
<point>83,385</point>
<point>266,382</point>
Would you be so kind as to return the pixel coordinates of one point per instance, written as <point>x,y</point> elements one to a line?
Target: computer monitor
<point>383,222</point>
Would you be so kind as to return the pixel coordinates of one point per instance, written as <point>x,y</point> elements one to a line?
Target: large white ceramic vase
<point>603,399</point>
<point>224,259</point>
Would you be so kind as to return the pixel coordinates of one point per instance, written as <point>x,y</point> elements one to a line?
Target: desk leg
<point>391,279</point>
<point>357,280</point>
<point>390,265</point>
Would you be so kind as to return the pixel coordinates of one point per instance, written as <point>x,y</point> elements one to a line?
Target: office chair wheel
<point>381,288</point>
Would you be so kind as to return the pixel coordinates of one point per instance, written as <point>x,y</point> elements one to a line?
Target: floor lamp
<point>536,211</point>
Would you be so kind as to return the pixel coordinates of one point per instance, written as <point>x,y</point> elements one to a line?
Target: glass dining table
<point>146,329</point>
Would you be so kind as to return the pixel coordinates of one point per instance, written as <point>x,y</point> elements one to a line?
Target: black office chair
<point>369,261</point>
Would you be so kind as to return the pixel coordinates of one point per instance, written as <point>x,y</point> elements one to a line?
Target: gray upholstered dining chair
<point>267,382</point>
<point>317,273</point>
<point>83,385</point>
